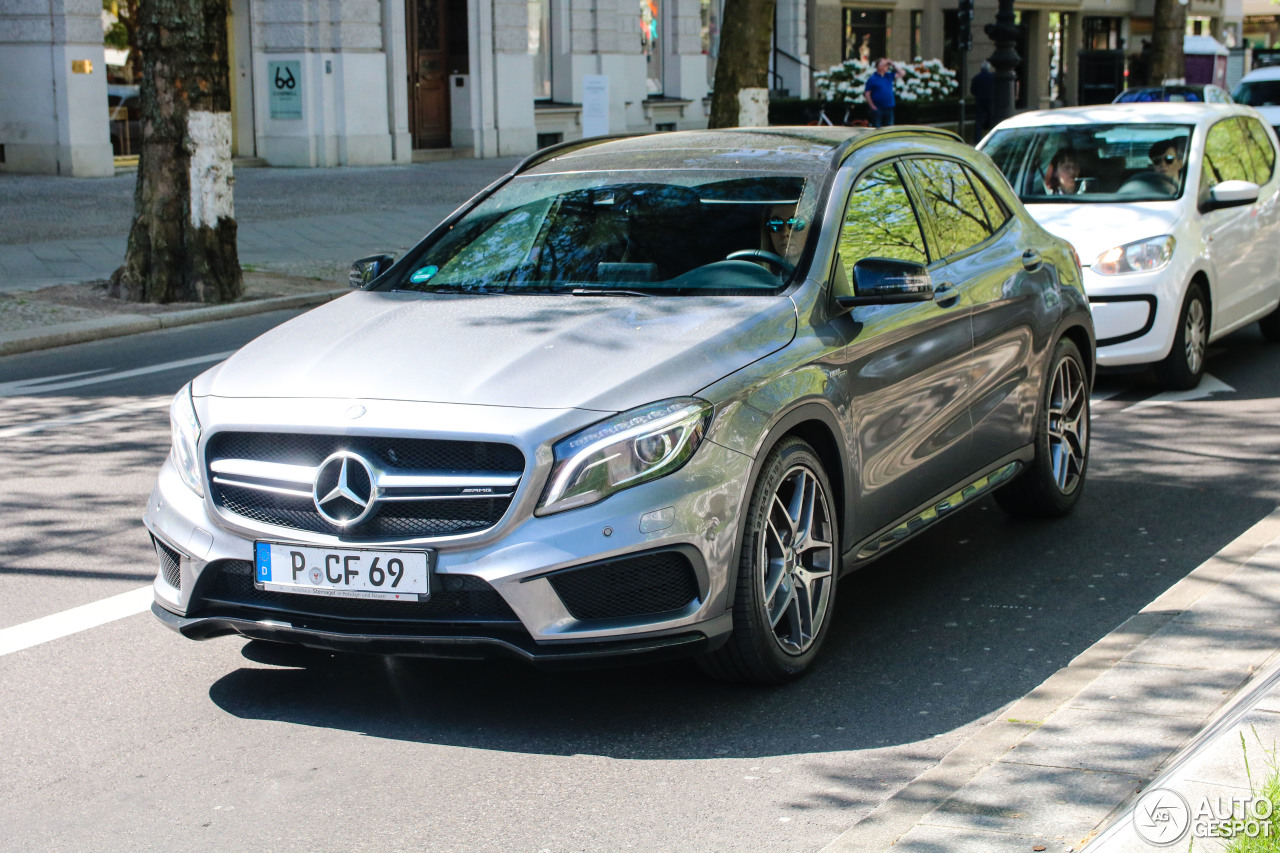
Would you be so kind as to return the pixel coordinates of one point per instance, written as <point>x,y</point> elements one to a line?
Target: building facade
<point>364,82</point>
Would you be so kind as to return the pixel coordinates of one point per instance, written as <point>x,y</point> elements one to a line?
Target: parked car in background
<point>1203,94</point>
<point>1173,210</point>
<point>1260,89</point>
<point>644,396</point>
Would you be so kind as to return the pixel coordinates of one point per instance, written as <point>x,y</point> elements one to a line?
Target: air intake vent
<point>170,564</point>
<point>645,585</point>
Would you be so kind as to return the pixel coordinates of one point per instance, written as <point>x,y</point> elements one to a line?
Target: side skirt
<point>936,509</point>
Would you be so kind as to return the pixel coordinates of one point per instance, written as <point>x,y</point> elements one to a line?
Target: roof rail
<point>559,148</point>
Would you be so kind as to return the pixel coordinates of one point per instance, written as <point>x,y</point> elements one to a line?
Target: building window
<point>711,37</point>
<point>865,34</point>
<point>651,43</point>
<point>1101,33</point>
<point>917,18</point>
<point>540,47</point>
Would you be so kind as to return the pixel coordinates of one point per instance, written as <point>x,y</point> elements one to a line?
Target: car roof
<point>795,150</point>
<point>1159,112</point>
<point>1269,72</point>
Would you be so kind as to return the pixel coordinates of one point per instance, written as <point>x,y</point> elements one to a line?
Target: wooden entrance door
<point>428,26</point>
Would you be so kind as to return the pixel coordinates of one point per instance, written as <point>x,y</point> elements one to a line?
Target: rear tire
<point>1182,368</point>
<point>786,575</point>
<point>1051,485</point>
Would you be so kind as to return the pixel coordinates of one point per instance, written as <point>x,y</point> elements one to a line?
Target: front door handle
<point>945,292</point>
<point>1031,260</point>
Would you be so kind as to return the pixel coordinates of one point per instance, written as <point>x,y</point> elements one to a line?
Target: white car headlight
<point>1142,256</point>
<point>186,438</point>
<point>624,451</point>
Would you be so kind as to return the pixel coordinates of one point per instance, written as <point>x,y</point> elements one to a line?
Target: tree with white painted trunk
<point>740,96</point>
<point>182,246</point>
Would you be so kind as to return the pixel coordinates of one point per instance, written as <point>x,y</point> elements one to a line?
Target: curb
<point>64,334</point>
<point>910,805</point>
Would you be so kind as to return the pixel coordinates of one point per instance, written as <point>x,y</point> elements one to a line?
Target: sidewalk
<point>298,231</point>
<point>1064,764</point>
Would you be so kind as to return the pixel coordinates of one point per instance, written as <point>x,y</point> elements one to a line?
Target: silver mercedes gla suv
<point>641,397</point>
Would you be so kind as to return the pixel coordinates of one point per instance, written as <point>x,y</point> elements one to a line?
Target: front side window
<point>879,222</point>
<point>1083,164</point>
<point>668,232</point>
<point>1264,155</point>
<point>949,200</point>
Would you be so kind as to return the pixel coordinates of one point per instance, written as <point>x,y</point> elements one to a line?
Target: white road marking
<point>75,620</point>
<point>51,383</point>
<point>1208,386</point>
<point>86,417</point>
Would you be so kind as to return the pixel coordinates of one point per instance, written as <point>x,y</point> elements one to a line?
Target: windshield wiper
<point>606,291</point>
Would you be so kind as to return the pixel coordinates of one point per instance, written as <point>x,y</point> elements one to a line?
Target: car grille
<point>170,564</point>
<point>645,585</point>
<point>440,516</point>
<point>460,599</point>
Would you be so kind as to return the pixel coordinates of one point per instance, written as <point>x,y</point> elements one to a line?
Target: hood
<point>536,351</point>
<point>1094,228</point>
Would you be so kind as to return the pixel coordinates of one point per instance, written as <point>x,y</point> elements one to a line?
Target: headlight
<point>1142,256</point>
<point>624,451</point>
<point>186,438</point>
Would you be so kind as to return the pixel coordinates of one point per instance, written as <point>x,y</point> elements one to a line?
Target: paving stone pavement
<point>1162,702</point>
<point>312,222</point>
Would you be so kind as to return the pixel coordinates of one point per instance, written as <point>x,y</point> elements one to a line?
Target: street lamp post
<point>1004,62</point>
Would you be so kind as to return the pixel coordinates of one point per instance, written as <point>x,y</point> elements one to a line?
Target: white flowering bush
<point>924,81</point>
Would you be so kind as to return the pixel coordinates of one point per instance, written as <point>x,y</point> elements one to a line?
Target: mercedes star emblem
<point>344,492</point>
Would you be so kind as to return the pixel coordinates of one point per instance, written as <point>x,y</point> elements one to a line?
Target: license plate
<point>343,572</point>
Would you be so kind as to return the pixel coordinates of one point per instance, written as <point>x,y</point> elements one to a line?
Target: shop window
<point>652,43</point>
<point>865,34</point>
<point>711,36</point>
<point>540,47</point>
<point>1101,33</point>
<point>917,17</point>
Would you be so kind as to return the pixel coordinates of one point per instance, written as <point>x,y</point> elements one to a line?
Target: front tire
<point>1182,368</point>
<point>1051,485</point>
<point>786,575</point>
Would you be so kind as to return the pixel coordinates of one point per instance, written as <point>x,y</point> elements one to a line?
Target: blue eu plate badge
<point>263,559</point>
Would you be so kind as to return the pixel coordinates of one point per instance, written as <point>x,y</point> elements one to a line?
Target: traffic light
<point>964,32</point>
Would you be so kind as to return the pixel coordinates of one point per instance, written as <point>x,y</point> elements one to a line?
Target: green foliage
<point>1267,841</point>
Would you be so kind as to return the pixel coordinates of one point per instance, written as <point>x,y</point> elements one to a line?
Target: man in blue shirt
<point>879,92</point>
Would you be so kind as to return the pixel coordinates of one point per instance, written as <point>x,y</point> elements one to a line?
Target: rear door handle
<point>1031,260</point>
<point>945,292</point>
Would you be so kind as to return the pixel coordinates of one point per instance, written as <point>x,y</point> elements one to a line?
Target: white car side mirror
<point>1231,194</point>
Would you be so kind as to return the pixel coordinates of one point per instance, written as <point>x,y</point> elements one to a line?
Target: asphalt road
<point>128,736</point>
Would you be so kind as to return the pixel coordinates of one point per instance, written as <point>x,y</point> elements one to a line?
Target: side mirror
<point>887,281</point>
<point>1230,194</point>
<point>365,270</point>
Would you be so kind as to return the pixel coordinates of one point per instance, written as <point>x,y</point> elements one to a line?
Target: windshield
<point>1168,93</point>
<point>1082,164</point>
<point>662,232</point>
<point>1258,93</point>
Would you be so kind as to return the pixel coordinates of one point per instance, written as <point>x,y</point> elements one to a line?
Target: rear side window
<point>997,214</point>
<point>1264,156</point>
<point>880,222</point>
<point>949,200</point>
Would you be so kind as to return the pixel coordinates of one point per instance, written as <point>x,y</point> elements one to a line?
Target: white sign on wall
<point>595,105</point>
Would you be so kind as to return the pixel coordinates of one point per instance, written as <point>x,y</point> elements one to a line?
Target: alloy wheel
<point>1195,336</point>
<point>1068,425</point>
<point>796,558</point>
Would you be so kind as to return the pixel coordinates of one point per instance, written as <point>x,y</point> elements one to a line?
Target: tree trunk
<point>182,246</point>
<point>746,37</point>
<point>1167,29</point>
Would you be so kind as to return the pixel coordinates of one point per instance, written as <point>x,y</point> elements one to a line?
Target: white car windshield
<point>1082,164</point>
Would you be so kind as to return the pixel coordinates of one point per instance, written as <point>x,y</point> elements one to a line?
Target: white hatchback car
<point>1173,210</point>
<point>1260,89</point>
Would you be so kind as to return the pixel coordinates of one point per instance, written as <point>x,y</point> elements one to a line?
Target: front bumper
<point>1134,315</point>
<point>518,560</point>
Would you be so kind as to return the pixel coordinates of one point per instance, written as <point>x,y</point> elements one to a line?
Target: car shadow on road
<point>943,632</point>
